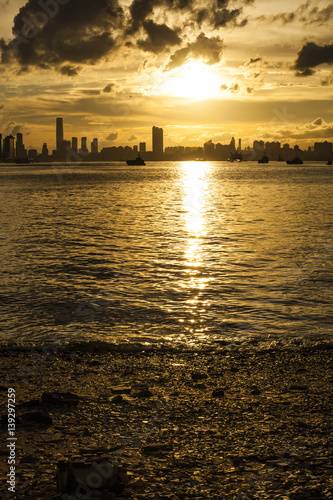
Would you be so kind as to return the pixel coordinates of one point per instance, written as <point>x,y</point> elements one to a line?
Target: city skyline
<point>237,68</point>
<point>69,151</point>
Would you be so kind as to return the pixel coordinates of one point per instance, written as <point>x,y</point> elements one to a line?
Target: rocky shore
<point>169,423</point>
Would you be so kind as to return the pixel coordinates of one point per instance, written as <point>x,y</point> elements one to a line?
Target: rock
<point>60,398</point>
<point>117,399</point>
<point>121,390</point>
<point>156,447</point>
<point>218,393</point>
<point>199,375</point>
<point>37,418</point>
<point>144,393</point>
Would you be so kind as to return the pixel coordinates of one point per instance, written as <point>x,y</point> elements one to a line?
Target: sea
<point>168,254</point>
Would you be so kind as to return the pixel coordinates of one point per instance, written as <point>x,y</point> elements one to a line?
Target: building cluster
<point>12,149</point>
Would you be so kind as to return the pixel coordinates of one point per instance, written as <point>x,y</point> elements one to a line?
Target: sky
<point>201,69</point>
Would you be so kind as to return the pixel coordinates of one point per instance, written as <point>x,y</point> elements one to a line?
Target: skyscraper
<point>94,146</point>
<point>9,147</point>
<point>142,147</point>
<point>84,144</point>
<point>157,143</point>
<point>60,134</point>
<point>20,150</point>
<point>74,144</point>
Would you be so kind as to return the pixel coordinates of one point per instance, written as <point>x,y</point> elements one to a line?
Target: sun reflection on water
<point>195,193</point>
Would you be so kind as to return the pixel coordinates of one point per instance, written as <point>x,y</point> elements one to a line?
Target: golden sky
<point>201,69</point>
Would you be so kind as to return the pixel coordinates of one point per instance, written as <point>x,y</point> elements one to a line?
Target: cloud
<point>307,13</point>
<point>312,55</point>
<point>208,49</point>
<point>327,81</point>
<point>253,60</point>
<point>13,128</point>
<point>69,70</point>
<point>132,138</point>
<point>112,137</point>
<point>317,129</point>
<point>160,36</point>
<point>108,88</point>
<point>48,34</point>
<point>234,88</point>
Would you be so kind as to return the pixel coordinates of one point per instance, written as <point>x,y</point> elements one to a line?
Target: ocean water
<point>182,252</point>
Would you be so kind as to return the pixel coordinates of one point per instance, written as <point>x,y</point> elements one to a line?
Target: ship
<point>295,161</point>
<point>264,159</point>
<point>138,161</point>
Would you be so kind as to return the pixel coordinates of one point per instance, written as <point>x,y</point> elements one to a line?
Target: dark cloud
<point>224,86</point>
<point>253,60</point>
<point>312,55</point>
<point>112,137</point>
<point>216,13</point>
<point>108,88</point>
<point>140,10</point>
<point>49,34</point>
<point>160,36</point>
<point>69,70</point>
<point>307,13</point>
<point>327,81</point>
<point>210,50</point>
<point>132,138</point>
<point>234,88</point>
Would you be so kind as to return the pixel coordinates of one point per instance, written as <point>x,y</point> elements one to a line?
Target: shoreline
<point>184,424</point>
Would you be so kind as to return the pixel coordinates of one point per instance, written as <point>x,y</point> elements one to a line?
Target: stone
<point>37,418</point>
<point>218,393</point>
<point>60,398</point>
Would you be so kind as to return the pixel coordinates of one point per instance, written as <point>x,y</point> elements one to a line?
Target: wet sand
<point>184,424</point>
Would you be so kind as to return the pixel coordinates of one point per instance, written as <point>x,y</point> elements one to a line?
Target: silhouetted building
<point>74,144</point>
<point>94,146</point>
<point>273,150</point>
<point>323,150</point>
<point>45,151</point>
<point>157,143</point>
<point>21,152</point>
<point>83,149</point>
<point>232,145</point>
<point>135,149</point>
<point>32,154</point>
<point>60,134</point>
<point>209,149</point>
<point>239,146</point>
<point>0,146</point>
<point>9,147</point>
<point>142,147</point>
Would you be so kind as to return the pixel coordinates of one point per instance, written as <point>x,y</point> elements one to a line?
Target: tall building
<point>0,146</point>
<point>84,144</point>
<point>9,147</point>
<point>74,144</point>
<point>20,149</point>
<point>157,143</point>
<point>94,146</point>
<point>60,134</point>
<point>142,147</point>
<point>45,151</point>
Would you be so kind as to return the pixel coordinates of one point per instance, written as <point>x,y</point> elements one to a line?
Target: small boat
<point>137,161</point>
<point>295,161</point>
<point>264,159</point>
<point>329,162</point>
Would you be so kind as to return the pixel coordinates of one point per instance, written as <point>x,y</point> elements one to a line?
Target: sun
<point>194,80</point>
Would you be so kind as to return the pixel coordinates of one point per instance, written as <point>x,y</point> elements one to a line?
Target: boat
<point>295,161</point>
<point>138,161</point>
<point>329,162</point>
<point>264,159</point>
